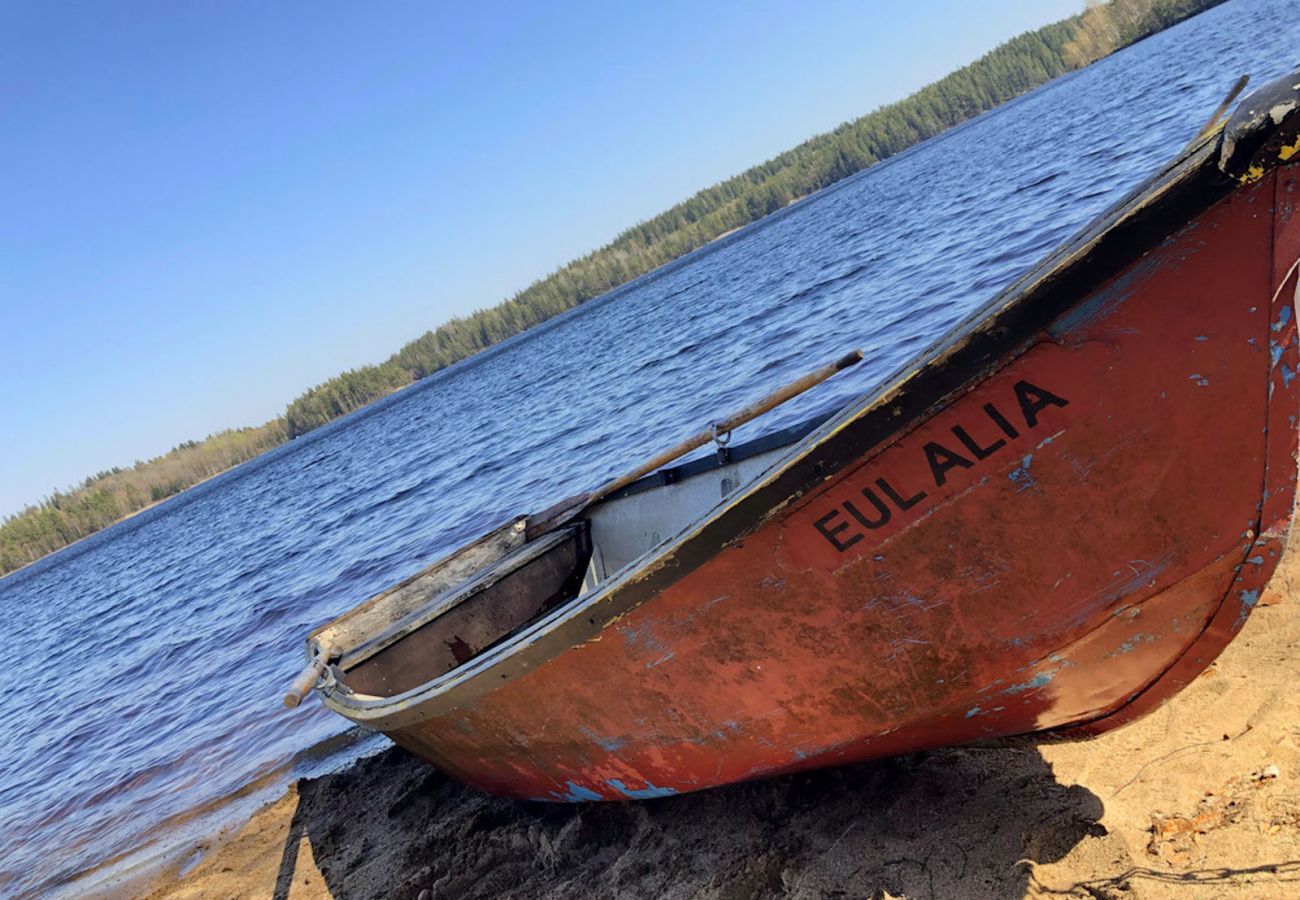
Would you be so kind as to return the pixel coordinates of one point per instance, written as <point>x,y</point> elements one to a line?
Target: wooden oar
<point>309,676</point>
<point>566,510</point>
<point>1223,108</point>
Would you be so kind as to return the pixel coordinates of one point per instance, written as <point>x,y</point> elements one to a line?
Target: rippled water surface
<point>152,658</point>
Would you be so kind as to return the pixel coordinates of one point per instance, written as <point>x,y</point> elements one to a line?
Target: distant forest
<point>1021,64</point>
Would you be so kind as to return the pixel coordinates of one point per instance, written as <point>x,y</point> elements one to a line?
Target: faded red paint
<point>1085,560</point>
<point>1287,202</point>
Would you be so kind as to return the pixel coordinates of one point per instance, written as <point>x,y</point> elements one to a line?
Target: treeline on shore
<point>111,495</point>
<point>1019,65</point>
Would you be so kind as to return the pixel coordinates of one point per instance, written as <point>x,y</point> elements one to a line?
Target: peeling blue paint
<point>1248,601</point>
<point>605,743</point>
<point>1200,338</point>
<point>973,711</point>
<point>1041,680</point>
<point>1256,560</point>
<point>1275,352</point>
<point>1200,379</point>
<point>1132,643</point>
<point>1021,476</point>
<point>649,792</point>
<point>576,793</point>
<point>1288,375</point>
<point>1284,316</point>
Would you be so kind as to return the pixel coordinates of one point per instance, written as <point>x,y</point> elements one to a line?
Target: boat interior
<point>481,595</point>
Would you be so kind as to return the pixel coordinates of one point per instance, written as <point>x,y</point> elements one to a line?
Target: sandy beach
<point>1201,799</point>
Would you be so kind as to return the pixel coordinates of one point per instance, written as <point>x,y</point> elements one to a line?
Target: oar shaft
<point>749,413</point>
<point>789,392</point>
<point>1223,107</point>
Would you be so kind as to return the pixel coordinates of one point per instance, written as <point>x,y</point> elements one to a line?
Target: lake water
<point>155,654</point>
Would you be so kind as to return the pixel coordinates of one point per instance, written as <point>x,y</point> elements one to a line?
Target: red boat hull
<point>1051,524</point>
<point>1065,544</point>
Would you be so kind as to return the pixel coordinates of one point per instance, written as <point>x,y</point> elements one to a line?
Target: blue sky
<point>210,207</point>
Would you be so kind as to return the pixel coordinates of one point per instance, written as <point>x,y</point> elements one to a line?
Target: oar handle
<point>307,679</point>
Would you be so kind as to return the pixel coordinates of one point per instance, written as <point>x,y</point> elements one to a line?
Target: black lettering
<point>881,508</point>
<point>941,459</point>
<point>897,499</point>
<point>980,453</point>
<point>832,534</point>
<point>1000,420</point>
<point>1034,400</point>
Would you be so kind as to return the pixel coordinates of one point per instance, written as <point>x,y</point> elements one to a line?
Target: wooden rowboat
<point>1051,522</point>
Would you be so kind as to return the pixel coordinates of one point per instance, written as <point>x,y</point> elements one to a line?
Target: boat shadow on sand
<point>968,822</point>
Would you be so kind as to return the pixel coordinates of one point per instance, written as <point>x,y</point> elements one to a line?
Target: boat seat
<point>468,618</point>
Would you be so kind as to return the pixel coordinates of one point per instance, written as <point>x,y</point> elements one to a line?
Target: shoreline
<point>131,515</point>
<point>182,840</point>
<point>1205,791</point>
